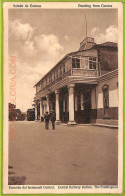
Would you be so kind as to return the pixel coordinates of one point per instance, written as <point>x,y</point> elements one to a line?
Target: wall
<point>108,59</point>
<point>38,88</point>
<point>112,111</point>
<point>93,98</point>
<point>68,64</point>
<point>90,52</point>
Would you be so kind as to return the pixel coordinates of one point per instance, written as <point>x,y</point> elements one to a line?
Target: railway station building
<point>82,87</point>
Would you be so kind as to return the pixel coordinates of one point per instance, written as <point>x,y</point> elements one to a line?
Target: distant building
<point>15,114</point>
<point>12,112</point>
<point>83,86</point>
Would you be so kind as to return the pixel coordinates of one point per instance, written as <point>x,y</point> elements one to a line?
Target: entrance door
<point>87,107</point>
<point>53,105</point>
<point>66,119</point>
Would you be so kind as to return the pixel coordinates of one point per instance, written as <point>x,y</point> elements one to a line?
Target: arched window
<point>105,90</point>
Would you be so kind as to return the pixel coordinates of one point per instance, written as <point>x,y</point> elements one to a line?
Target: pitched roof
<point>108,44</point>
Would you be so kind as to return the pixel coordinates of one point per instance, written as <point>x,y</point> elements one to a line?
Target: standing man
<point>47,117</point>
<point>53,118</point>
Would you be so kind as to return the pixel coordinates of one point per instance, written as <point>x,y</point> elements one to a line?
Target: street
<point>81,155</point>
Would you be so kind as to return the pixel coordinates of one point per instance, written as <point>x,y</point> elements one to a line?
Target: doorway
<point>87,107</point>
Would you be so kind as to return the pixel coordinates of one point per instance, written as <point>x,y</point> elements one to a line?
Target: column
<point>82,101</point>
<point>57,106</point>
<point>47,98</point>
<point>35,111</point>
<point>71,105</point>
<point>41,108</point>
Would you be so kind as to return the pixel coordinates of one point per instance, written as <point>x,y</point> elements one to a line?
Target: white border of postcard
<point>38,189</point>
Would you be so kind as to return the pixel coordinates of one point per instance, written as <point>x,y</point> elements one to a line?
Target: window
<point>92,62</point>
<point>63,68</point>
<point>75,63</point>
<point>49,78</point>
<point>56,73</point>
<point>54,76</point>
<point>60,70</point>
<point>105,89</point>
<point>46,81</point>
<point>41,85</point>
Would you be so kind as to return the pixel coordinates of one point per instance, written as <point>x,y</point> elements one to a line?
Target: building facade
<point>82,87</point>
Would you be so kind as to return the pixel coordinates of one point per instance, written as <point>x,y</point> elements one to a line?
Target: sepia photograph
<point>63,97</point>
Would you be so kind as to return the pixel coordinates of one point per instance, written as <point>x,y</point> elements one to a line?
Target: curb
<point>96,125</point>
<point>106,126</point>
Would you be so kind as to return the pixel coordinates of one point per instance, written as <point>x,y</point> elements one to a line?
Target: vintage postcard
<point>63,97</point>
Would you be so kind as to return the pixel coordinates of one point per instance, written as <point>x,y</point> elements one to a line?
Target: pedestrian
<point>42,118</point>
<point>47,118</point>
<point>53,119</point>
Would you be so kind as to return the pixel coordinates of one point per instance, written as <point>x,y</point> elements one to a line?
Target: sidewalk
<point>90,124</point>
<point>99,125</point>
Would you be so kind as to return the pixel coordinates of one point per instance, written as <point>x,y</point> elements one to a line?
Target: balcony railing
<point>85,72</point>
<point>48,86</point>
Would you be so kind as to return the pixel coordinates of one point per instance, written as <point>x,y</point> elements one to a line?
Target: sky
<point>39,38</point>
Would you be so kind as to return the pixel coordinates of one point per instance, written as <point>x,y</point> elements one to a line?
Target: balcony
<point>49,85</point>
<point>85,72</point>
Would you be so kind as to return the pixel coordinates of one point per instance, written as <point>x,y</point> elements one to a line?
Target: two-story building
<point>82,86</point>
